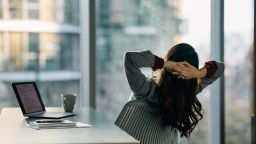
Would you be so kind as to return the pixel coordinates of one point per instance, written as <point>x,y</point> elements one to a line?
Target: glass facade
<point>238,72</point>
<point>41,45</point>
<point>137,25</point>
<point>39,41</point>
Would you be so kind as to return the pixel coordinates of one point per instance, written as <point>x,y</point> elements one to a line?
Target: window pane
<point>61,11</point>
<point>137,25</point>
<point>33,42</point>
<point>33,50</point>
<point>15,9</point>
<point>33,13</point>
<point>238,72</point>
<point>59,52</point>
<point>15,51</point>
<point>71,13</point>
<point>51,58</point>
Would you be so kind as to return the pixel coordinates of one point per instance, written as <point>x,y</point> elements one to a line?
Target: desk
<point>13,129</point>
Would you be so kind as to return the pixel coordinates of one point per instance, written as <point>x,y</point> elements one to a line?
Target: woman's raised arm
<point>140,85</point>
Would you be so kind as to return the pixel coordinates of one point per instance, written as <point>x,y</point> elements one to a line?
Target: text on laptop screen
<point>29,98</point>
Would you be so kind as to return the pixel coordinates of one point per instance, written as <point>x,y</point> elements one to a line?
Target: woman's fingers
<point>184,70</point>
<point>185,64</point>
<point>181,67</point>
<point>182,64</point>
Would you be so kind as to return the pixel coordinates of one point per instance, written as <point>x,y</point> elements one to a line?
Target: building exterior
<point>39,41</point>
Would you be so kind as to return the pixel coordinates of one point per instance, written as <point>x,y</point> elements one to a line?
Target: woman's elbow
<point>127,57</point>
<point>221,67</point>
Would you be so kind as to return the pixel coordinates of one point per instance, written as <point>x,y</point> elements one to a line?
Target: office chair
<point>138,120</point>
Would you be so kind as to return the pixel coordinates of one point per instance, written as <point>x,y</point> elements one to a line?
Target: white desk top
<point>13,129</point>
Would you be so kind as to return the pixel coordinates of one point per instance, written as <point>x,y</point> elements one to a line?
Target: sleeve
<point>140,85</point>
<point>211,75</point>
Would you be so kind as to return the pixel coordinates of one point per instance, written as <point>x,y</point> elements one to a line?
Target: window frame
<point>87,54</point>
<point>253,119</point>
<point>217,96</point>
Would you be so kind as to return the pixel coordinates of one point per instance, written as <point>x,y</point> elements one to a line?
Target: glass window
<point>33,42</point>
<point>50,10</point>
<point>59,52</point>
<point>51,58</point>
<point>15,9</point>
<point>33,50</point>
<point>238,72</point>
<point>33,13</point>
<point>71,14</point>
<point>15,51</point>
<point>137,25</point>
<point>61,11</point>
<point>32,9</point>
<point>69,57</point>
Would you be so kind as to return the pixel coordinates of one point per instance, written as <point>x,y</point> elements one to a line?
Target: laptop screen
<point>28,97</point>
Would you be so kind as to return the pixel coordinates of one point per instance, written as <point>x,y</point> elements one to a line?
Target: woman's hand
<point>170,66</point>
<point>185,70</point>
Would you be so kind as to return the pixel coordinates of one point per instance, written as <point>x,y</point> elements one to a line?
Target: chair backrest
<point>137,119</point>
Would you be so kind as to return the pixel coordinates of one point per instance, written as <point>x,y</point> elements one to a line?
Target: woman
<point>176,82</point>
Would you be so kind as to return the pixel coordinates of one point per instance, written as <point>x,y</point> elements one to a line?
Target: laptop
<point>31,103</point>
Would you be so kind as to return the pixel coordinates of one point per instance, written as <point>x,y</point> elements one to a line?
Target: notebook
<point>61,124</point>
<point>31,103</point>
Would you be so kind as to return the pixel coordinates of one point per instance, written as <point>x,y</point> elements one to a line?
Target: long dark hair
<point>180,107</point>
